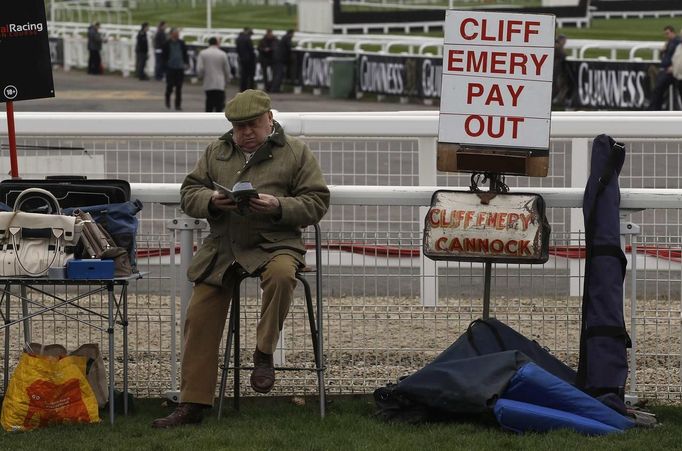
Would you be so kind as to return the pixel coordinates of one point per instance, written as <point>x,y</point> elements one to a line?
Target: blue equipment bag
<point>523,417</point>
<point>531,384</point>
<point>603,366</point>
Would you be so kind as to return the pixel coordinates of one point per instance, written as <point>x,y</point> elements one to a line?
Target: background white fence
<point>380,322</point>
<point>119,48</point>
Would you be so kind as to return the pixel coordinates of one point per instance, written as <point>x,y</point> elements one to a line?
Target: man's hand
<point>222,202</point>
<point>264,203</point>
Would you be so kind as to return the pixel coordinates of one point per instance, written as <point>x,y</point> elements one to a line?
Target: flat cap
<point>247,105</point>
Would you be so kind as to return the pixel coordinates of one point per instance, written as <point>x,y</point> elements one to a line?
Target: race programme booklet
<point>240,193</point>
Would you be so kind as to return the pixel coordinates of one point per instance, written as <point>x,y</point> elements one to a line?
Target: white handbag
<point>32,243</point>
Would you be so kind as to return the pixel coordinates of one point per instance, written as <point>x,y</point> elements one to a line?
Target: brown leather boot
<point>185,413</point>
<point>263,374</point>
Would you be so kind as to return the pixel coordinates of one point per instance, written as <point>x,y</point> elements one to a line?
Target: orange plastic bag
<point>47,390</point>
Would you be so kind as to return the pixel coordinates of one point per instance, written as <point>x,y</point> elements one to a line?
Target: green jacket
<point>283,167</point>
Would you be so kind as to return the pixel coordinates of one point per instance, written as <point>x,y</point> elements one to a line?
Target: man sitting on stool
<point>265,238</point>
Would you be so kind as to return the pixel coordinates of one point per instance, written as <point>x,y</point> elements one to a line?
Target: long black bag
<point>71,191</point>
<point>468,377</point>
<point>603,366</point>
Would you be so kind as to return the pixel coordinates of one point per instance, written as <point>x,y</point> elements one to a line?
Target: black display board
<point>24,51</point>
<point>349,14</point>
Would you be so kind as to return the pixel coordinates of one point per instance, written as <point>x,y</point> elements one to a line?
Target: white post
<point>68,45</point>
<point>315,16</point>
<point>579,175</point>
<point>209,4</point>
<point>428,271</point>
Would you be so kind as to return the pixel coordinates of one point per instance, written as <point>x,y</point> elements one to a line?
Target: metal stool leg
<point>315,334</point>
<point>311,315</point>
<point>236,300</point>
<point>226,360</point>
<point>318,304</point>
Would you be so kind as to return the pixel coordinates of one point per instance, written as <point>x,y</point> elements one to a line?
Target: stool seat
<point>314,320</point>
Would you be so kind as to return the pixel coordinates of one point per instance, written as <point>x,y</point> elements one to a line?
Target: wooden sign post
<point>495,113</point>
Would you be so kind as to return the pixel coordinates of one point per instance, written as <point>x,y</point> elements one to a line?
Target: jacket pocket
<point>202,263</point>
<point>275,241</point>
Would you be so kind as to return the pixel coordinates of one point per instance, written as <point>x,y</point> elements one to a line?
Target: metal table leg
<point>124,300</point>
<point>25,313</point>
<point>6,296</point>
<point>110,331</point>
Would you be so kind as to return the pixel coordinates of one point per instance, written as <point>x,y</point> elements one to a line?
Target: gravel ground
<point>370,341</point>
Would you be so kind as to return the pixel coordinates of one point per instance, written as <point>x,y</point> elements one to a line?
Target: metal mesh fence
<point>376,327</point>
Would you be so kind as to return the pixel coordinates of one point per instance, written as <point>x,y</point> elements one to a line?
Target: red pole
<point>12,141</point>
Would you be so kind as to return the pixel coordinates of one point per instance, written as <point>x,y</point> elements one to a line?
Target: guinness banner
<point>386,75</point>
<point>312,67</point>
<point>612,85</point>
<point>404,76</point>
<point>429,77</point>
<point>24,51</point>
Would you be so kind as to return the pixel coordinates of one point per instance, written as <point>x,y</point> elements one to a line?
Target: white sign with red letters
<point>497,79</point>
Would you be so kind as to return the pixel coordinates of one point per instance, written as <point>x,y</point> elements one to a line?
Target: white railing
<point>124,35</point>
<point>573,128</point>
<point>399,124</point>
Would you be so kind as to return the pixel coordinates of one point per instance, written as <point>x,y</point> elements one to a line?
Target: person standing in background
<point>665,73</point>
<point>247,59</point>
<point>160,39</point>
<point>282,61</point>
<point>676,64</point>
<point>266,48</point>
<point>175,60</point>
<point>141,51</point>
<point>562,86</point>
<point>214,71</point>
<point>94,47</point>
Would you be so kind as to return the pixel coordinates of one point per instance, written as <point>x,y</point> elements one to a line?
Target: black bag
<point>485,336</point>
<point>468,376</point>
<point>70,191</point>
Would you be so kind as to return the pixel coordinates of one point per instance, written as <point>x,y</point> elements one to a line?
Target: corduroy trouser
<point>206,317</point>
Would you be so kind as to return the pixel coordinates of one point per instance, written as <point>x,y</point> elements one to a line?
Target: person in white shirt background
<point>214,71</point>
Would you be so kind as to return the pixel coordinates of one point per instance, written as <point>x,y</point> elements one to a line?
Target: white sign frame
<point>496,86</point>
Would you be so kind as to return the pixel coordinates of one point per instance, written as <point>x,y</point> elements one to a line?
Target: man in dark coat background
<point>141,51</point>
<point>247,59</point>
<point>160,39</point>
<point>266,50</point>
<point>175,60</point>
<point>94,47</point>
<point>282,61</point>
<point>665,74</point>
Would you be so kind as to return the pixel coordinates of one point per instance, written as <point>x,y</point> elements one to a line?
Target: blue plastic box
<point>90,269</point>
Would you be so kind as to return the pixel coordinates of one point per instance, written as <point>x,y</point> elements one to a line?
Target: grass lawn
<point>180,13</point>
<point>278,424</point>
<point>224,16</point>
<point>648,29</point>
